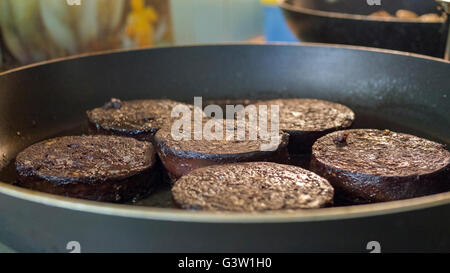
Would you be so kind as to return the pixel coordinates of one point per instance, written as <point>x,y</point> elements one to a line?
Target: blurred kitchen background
<point>37,30</point>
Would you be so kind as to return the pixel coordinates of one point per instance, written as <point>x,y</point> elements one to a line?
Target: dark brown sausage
<point>139,119</point>
<point>368,165</point>
<point>306,120</point>
<point>252,187</point>
<point>101,168</point>
<point>182,156</point>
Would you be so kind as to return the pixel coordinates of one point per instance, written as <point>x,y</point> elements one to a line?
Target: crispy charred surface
<point>376,165</point>
<point>179,157</point>
<point>252,187</point>
<point>139,118</point>
<point>102,168</point>
<point>306,120</point>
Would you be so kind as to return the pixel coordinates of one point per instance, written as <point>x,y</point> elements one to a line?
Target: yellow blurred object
<point>269,2</point>
<point>38,30</point>
<point>140,23</point>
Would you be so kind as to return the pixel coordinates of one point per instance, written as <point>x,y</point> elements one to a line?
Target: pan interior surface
<point>386,90</point>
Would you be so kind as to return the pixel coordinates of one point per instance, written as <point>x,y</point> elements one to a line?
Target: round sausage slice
<point>252,187</point>
<point>101,168</point>
<point>138,118</point>
<point>180,156</point>
<point>306,120</point>
<point>368,165</point>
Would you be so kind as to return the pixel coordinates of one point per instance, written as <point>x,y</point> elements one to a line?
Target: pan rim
<point>289,44</point>
<point>169,214</point>
<point>349,16</point>
<point>179,215</point>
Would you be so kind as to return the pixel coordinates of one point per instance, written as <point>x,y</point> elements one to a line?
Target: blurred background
<point>38,30</point>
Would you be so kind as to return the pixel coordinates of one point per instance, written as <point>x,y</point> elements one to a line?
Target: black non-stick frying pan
<point>387,90</point>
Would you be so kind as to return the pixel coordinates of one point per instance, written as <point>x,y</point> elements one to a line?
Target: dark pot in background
<point>347,22</point>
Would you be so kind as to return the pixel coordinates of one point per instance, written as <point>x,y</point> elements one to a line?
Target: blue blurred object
<point>275,27</point>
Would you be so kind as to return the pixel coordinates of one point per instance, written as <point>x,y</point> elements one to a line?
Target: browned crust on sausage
<point>101,168</point>
<point>252,187</point>
<point>121,190</point>
<point>368,168</point>
<point>147,135</point>
<point>306,120</point>
<point>139,119</point>
<point>179,162</point>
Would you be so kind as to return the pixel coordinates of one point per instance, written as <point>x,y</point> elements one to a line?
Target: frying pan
<point>386,89</point>
<point>347,22</point>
